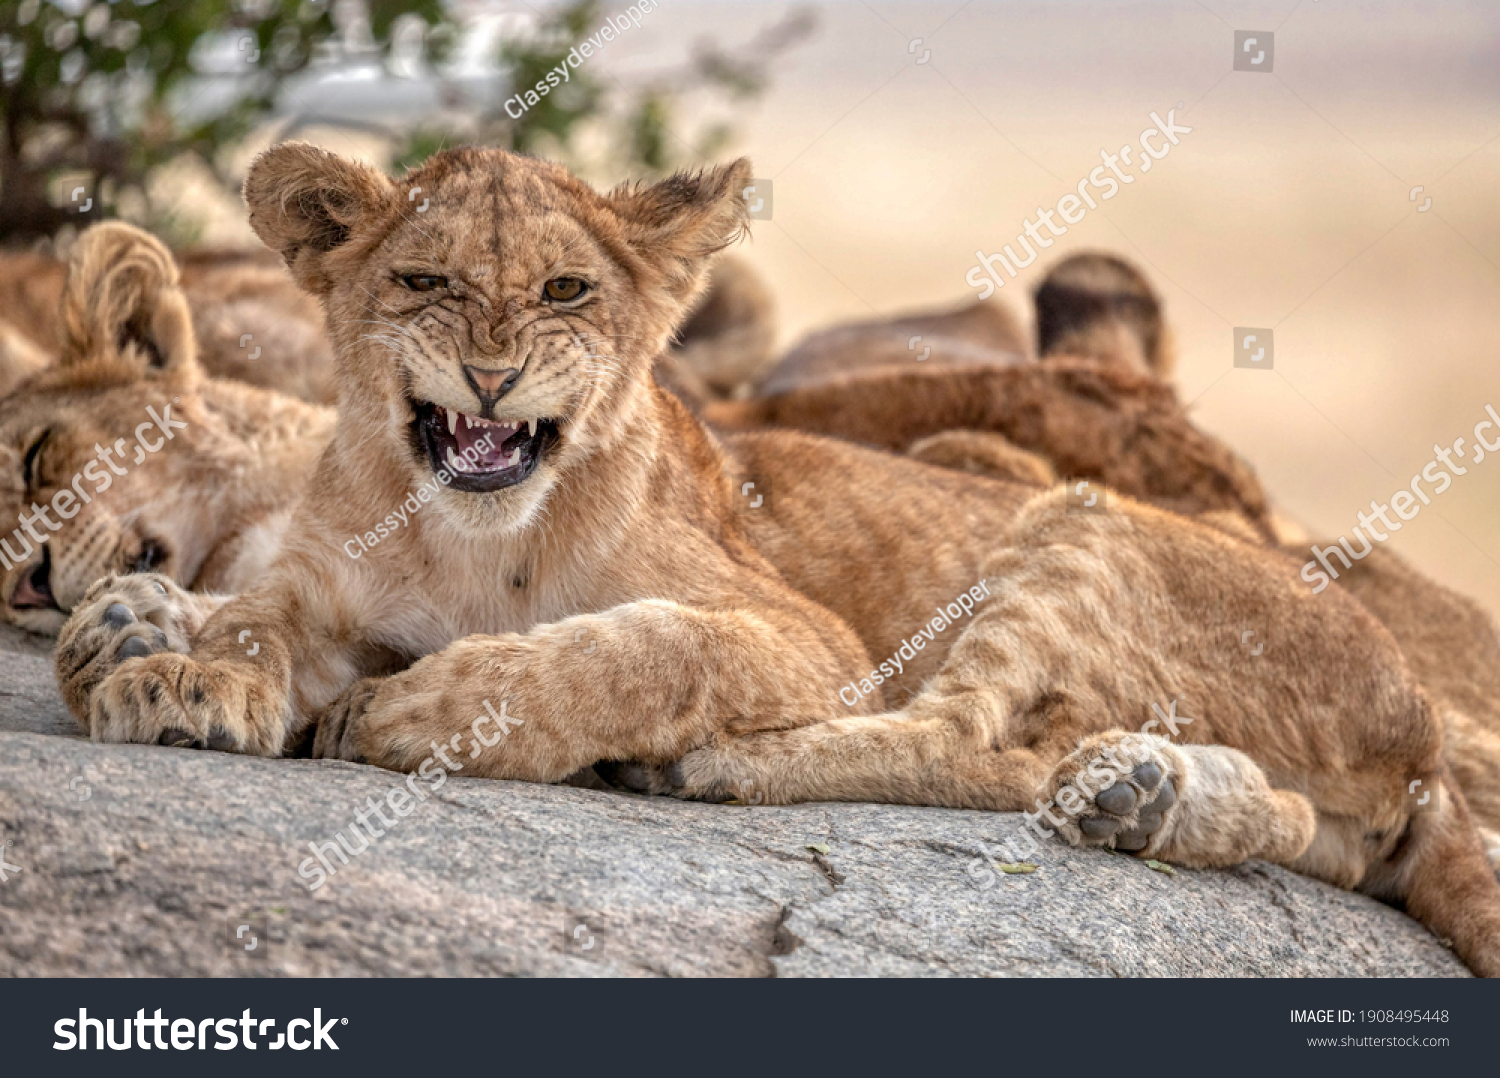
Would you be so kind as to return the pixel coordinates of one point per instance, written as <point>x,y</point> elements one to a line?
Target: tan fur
<point>1103,417</point>
<point>1083,418</point>
<point>977,334</point>
<point>983,453</point>
<point>725,347</point>
<point>1087,420</point>
<point>206,509</point>
<point>629,601</point>
<point>20,357</point>
<point>1075,418</point>
<point>1453,647</point>
<point>233,296</point>
<point>30,292</point>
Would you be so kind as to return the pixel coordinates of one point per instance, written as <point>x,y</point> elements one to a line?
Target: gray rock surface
<point>143,860</point>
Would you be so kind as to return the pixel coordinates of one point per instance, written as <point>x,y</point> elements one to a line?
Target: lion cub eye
<point>565,288</point>
<point>29,471</point>
<point>424,282</point>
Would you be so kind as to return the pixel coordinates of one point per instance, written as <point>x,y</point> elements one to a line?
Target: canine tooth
<point>454,462</point>
<point>531,428</point>
<point>515,457</point>
<point>452,420</point>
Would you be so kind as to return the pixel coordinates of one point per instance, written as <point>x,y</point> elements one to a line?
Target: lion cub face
<point>495,317</point>
<point>86,470</point>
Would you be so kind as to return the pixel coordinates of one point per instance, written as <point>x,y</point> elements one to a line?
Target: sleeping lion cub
<point>622,586</point>
<point>90,482</point>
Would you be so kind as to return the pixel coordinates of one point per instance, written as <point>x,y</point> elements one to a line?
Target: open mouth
<point>481,454</point>
<point>34,592</point>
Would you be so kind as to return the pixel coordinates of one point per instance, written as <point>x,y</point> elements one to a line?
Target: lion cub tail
<point>122,302</point>
<point>1442,876</point>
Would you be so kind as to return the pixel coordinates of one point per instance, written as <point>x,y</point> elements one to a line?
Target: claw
<point>177,738</point>
<point>221,740</point>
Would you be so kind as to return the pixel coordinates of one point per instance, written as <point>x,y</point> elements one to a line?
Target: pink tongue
<point>485,443</point>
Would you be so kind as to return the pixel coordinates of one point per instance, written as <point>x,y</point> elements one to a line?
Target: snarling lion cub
<point>624,587</point>
<point>210,506</point>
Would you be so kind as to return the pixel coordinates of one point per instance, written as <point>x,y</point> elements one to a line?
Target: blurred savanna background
<point>900,139</point>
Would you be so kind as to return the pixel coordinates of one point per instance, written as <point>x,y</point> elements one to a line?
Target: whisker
<point>378,300</point>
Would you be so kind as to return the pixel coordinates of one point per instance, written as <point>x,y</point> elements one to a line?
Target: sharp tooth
<point>468,421</point>
<point>452,420</point>
<point>531,428</point>
<point>515,457</point>
<point>454,461</point>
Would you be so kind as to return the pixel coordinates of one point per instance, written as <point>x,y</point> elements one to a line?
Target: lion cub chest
<point>486,597</point>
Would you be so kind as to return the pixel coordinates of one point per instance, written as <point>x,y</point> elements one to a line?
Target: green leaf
<point>1015,868</point>
<point>1161,866</point>
<point>818,847</point>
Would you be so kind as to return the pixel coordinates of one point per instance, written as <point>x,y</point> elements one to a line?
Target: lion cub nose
<point>491,385</point>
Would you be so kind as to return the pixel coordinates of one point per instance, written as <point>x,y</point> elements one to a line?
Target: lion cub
<point>123,456</point>
<point>619,585</point>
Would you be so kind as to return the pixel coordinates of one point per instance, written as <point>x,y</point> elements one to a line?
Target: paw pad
<point>118,616</point>
<point>1118,799</point>
<point>134,648</point>
<point>1132,810</point>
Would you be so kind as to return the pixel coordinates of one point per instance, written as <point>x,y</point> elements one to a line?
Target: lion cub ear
<point>678,223</point>
<point>306,203</point>
<point>122,304</point>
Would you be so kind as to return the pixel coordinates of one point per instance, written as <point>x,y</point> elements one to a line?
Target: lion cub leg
<point>1205,806</point>
<point>890,759</point>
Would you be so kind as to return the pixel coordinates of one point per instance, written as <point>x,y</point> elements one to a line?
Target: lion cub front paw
<point>338,727</point>
<point>164,699</point>
<point>120,618</point>
<point>123,669</point>
<point>1116,790</point>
